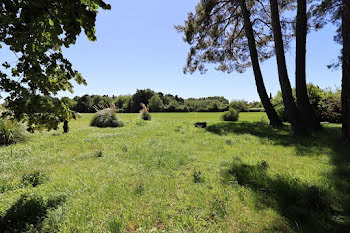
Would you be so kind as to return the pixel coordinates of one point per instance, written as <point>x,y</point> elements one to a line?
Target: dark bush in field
<point>144,114</point>
<point>230,115</point>
<point>11,132</point>
<point>106,118</point>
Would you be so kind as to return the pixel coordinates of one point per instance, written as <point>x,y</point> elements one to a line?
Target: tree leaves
<point>35,31</point>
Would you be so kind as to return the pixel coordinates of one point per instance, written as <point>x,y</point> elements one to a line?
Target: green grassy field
<point>168,176</point>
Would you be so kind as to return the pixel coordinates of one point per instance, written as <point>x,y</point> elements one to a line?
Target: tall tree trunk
<point>270,111</point>
<point>347,4</point>
<point>306,111</point>
<point>287,95</point>
<point>346,73</point>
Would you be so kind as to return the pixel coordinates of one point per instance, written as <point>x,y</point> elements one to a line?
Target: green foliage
<point>106,118</point>
<point>156,104</point>
<point>144,114</point>
<point>34,179</point>
<point>208,104</point>
<point>230,115</point>
<point>141,97</point>
<point>11,131</point>
<point>240,105</point>
<point>216,35</point>
<point>326,104</point>
<point>39,29</point>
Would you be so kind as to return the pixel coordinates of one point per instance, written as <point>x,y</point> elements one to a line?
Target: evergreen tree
<point>222,32</point>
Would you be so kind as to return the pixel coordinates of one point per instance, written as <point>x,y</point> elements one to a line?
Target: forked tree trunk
<point>287,95</point>
<point>270,111</point>
<point>346,74</point>
<point>306,111</point>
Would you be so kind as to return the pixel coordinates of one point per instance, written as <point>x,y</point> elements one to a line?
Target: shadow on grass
<point>308,208</point>
<point>313,209</point>
<point>28,213</point>
<point>279,136</point>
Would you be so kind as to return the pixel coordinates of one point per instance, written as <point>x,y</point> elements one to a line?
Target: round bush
<point>145,116</point>
<point>230,115</point>
<point>11,132</point>
<point>106,118</point>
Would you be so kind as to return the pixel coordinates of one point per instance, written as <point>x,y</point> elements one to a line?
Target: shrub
<point>144,114</point>
<point>332,110</point>
<point>326,104</point>
<point>230,115</point>
<point>106,118</point>
<point>11,131</point>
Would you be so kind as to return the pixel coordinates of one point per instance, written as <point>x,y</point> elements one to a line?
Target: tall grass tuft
<point>144,114</point>
<point>107,118</point>
<point>11,132</point>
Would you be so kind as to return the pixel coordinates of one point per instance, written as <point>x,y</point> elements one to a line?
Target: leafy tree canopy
<point>35,31</point>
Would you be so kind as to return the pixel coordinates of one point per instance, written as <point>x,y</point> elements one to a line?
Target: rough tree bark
<point>346,72</point>
<point>306,111</point>
<point>270,111</point>
<point>288,100</point>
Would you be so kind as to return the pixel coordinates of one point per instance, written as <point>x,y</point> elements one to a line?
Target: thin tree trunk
<point>306,111</point>
<point>270,111</point>
<point>287,95</point>
<point>346,73</point>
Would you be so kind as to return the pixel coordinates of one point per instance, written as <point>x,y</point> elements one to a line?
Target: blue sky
<point>139,48</point>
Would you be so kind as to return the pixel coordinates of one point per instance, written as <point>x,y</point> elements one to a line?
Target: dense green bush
<point>144,114</point>
<point>326,104</point>
<point>230,115</point>
<point>156,104</point>
<point>106,118</point>
<point>240,105</point>
<point>11,131</point>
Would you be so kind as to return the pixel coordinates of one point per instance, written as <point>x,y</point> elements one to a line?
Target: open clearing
<point>166,175</point>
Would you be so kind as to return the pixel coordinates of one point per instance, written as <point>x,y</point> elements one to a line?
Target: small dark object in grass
<point>201,125</point>
<point>197,177</point>
<point>264,165</point>
<point>99,154</point>
<point>139,189</point>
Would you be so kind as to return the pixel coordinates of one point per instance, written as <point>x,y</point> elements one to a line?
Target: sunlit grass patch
<point>167,175</point>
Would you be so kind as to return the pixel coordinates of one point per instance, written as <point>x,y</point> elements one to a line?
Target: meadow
<point>165,175</point>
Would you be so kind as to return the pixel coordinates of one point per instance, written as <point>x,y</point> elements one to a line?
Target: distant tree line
<point>158,102</point>
<point>325,102</point>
